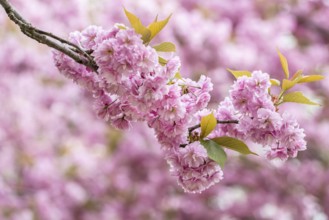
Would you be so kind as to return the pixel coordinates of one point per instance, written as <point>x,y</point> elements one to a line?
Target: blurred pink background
<point>59,162</point>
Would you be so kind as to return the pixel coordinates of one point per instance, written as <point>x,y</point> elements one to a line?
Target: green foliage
<point>136,23</point>
<point>233,144</point>
<point>310,78</point>
<point>287,84</point>
<point>275,82</point>
<point>239,73</point>
<point>149,32</point>
<point>215,152</point>
<point>284,64</point>
<point>122,27</point>
<point>165,47</point>
<point>297,75</point>
<point>162,61</point>
<point>156,26</point>
<point>208,124</point>
<point>178,76</point>
<point>297,97</point>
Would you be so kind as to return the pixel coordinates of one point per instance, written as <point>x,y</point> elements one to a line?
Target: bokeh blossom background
<point>59,162</point>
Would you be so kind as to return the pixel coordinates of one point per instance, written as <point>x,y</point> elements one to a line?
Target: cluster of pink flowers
<point>195,171</point>
<point>259,120</point>
<point>82,168</point>
<point>132,85</point>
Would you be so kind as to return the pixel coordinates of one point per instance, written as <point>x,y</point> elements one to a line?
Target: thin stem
<point>53,41</point>
<point>278,103</point>
<point>218,122</point>
<point>190,129</point>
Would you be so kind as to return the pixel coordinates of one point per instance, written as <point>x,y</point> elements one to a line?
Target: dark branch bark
<point>53,41</point>
<point>190,129</point>
<point>218,122</point>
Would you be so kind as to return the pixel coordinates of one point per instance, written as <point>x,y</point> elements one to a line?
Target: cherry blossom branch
<point>53,41</point>
<point>64,46</point>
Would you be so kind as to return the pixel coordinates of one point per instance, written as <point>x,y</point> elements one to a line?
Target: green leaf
<point>298,97</point>
<point>165,47</point>
<point>136,23</point>
<point>208,124</point>
<point>122,27</point>
<point>297,75</point>
<point>298,78</point>
<point>287,84</point>
<point>239,73</point>
<point>233,144</point>
<point>310,78</point>
<point>215,152</point>
<point>146,36</point>
<point>275,82</point>
<point>284,64</point>
<point>178,76</point>
<point>156,26</point>
<point>163,61</point>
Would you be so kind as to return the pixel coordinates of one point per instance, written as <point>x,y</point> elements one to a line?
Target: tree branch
<point>53,41</point>
<point>218,122</point>
<point>190,129</point>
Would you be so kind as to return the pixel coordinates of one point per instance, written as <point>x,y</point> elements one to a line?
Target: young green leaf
<point>208,124</point>
<point>163,61</point>
<point>239,73</point>
<point>233,144</point>
<point>178,76</point>
<point>133,19</point>
<point>284,64</point>
<point>215,152</point>
<point>122,27</point>
<point>165,47</point>
<point>298,97</point>
<point>275,82</point>
<point>287,84</point>
<point>310,78</point>
<point>297,74</point>
<point>298,78</point>
<point>146,35</point>
<point>136,23</point>
<point>156,26</point>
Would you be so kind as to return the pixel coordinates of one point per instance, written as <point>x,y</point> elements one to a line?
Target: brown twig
<point>218,122</point>
<point>53,41</point>
<point>190,129</point>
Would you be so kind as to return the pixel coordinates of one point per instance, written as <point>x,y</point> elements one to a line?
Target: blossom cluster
<point>259,121</point>
<point>195,171</point>
<point>132,85</point>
